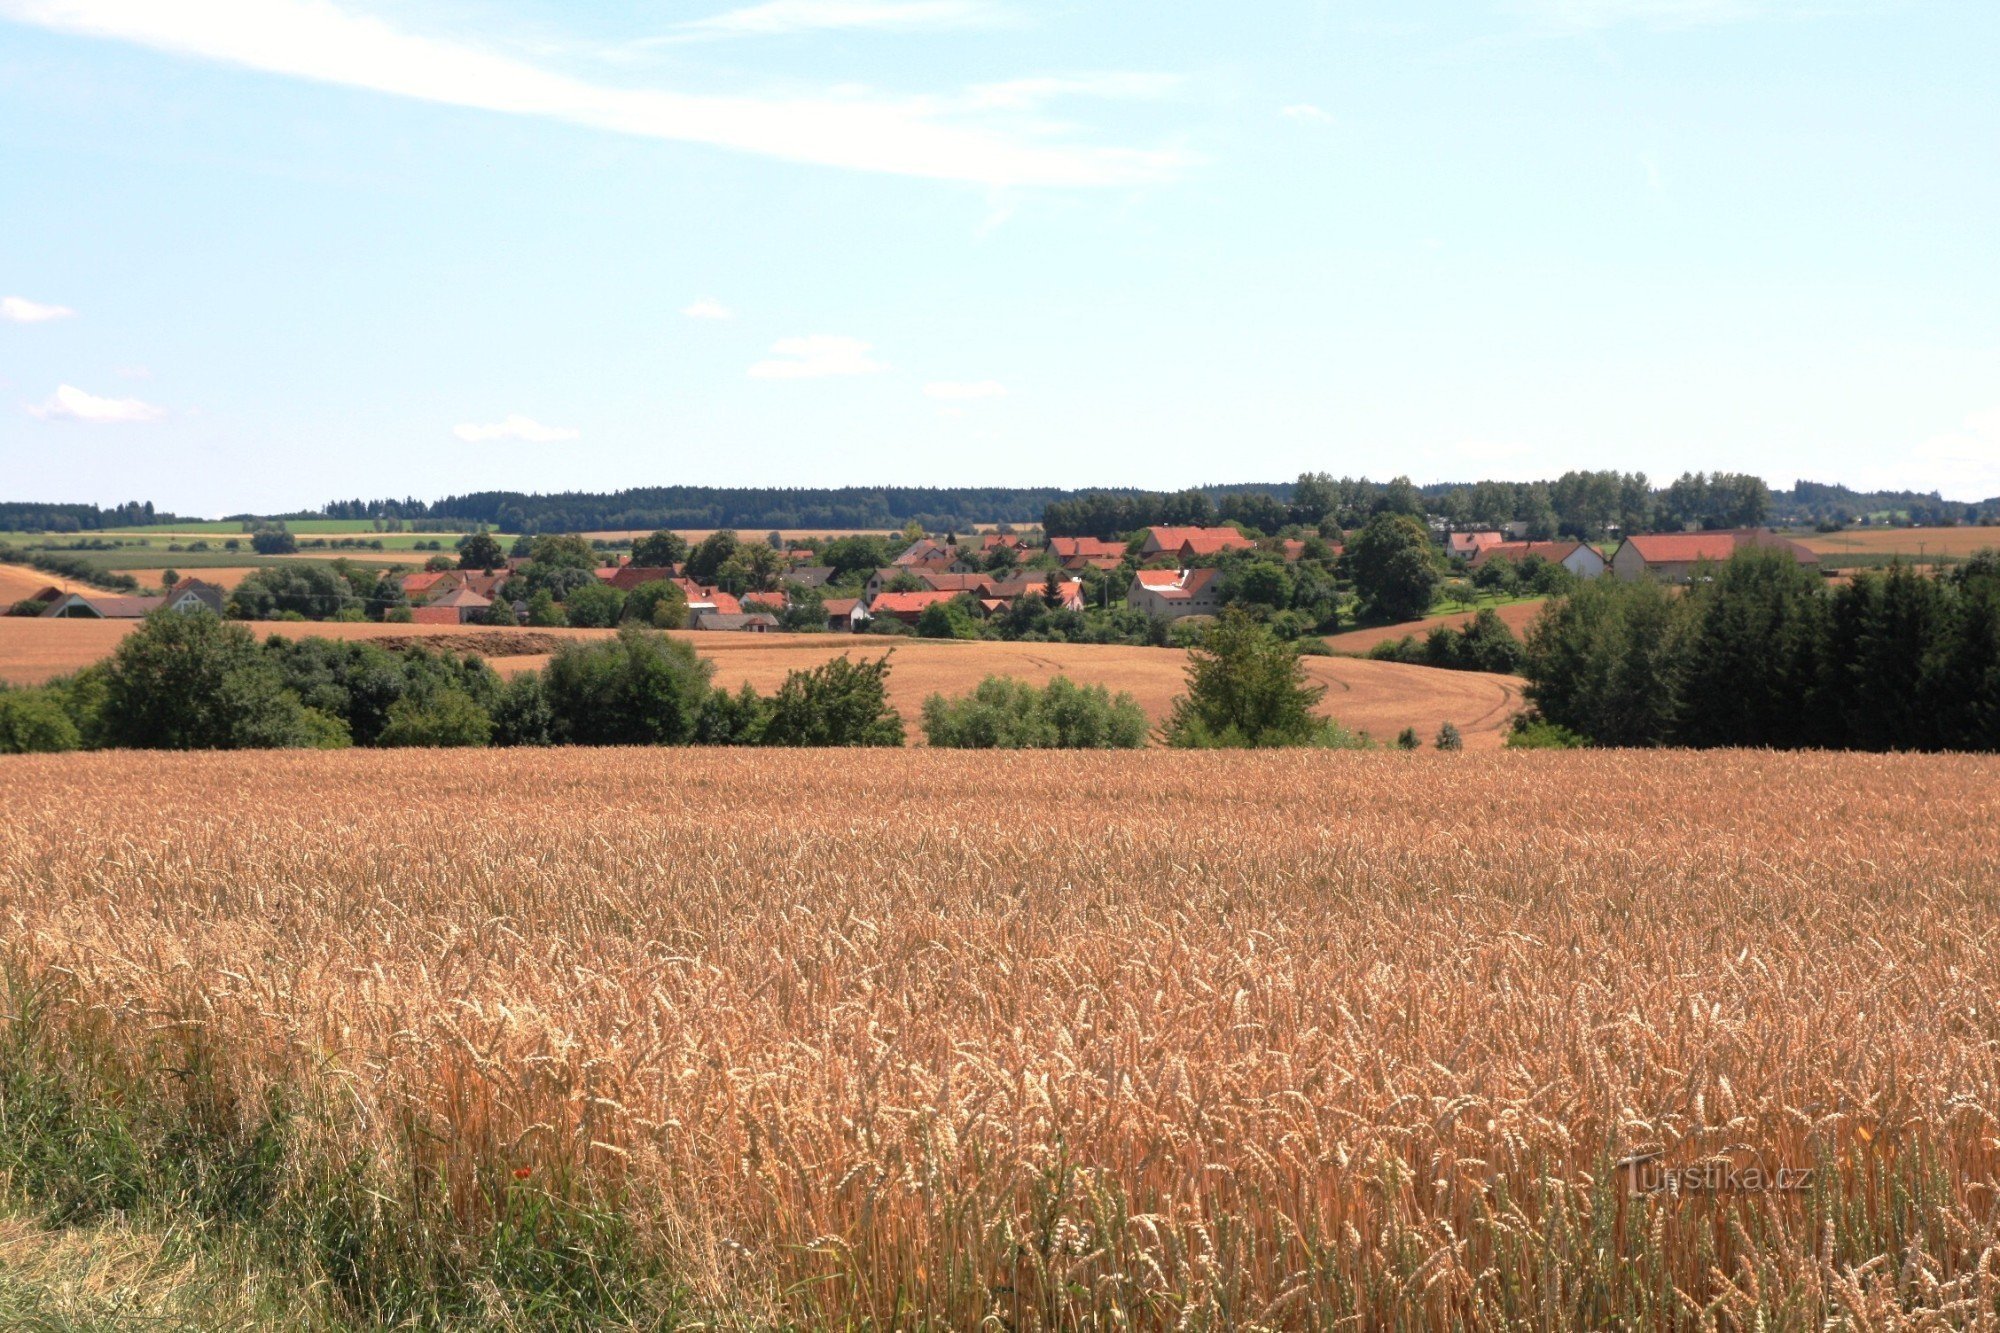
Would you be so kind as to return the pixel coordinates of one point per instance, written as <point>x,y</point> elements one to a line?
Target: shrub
<point>1542,735</point>
<point>839,702</point>
<point>1448,737</point>
<point>594,604</point>
<point>642,688</point>
<point>33,722</point>
<point>1407,739</point>
<point>1007,714</point>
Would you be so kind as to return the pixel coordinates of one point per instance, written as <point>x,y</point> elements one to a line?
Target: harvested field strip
<point>1247,1039</point>
<point>1380,698</point>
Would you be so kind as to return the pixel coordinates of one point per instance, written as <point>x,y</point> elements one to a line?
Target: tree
<point>839,702</point>
<point>707,559</point>
<point>188,681</point>
<point>660,604</point>
<point>543,613</point>
<point>563,551</point>
<point>448,718</point>
<point>481,550</point>
<point>1448,737</point>
<point>1394,567</point>
<point>169,577</point>
<point>1246,688</point>
<point>500,612</point>
<point>594,605</point>
<point>662,550</point>
<point>297,588</point>
<point>642,688</point>
<point>1606,661</point>
<point>274,541</point>
<point>947,620</point>
<point>438,564</point>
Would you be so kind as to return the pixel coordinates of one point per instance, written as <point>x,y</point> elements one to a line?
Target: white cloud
<point>70,403</point>
<point>515,427</point>
<point>782,16</point>
<point>817,356</point>
<point>320,40</point>
<point>961,391</point>
<point>1307,113</point>
<point>21,310</point>
<point>708,308</point>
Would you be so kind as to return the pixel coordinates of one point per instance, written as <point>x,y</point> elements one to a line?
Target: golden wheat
<point>1156,1040</point>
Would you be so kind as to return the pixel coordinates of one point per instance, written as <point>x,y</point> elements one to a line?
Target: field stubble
<point>1162,1040</point>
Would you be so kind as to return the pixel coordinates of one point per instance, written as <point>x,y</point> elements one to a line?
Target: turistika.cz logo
<point>1650,1174</point>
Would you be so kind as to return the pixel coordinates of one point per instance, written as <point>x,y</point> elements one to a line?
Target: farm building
<point>1672,556</point>
<point>1580,559</point>
<point>907,607</point>
<point>845,615</point>
<point>755,622</point>
<point>1170,594</point>
<point>1191,544</point>
<point>460,606</point>
<point>186,595</point>
<point>1086,552</point>
<point>1468,545</point>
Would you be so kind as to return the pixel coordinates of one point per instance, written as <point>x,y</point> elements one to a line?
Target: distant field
<point>1517,615</point>
<point>19,581</point>
<point>328,527</point>
<point>1380,698</point>
<point>696,534</point>
<point>1959,541</point>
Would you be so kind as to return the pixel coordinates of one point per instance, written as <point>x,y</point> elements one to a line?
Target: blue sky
<point>256,254</point>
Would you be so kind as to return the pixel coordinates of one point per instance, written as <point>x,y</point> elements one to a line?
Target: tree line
<point>1763,652</point>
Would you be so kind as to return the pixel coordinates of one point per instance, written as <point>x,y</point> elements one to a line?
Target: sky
<point>260,254</point>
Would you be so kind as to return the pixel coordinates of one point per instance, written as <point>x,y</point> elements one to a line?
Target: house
<point>460,606</point>
<point>96,606</point>
<point>946,581</point>
<point>1468,545</point>
<point>1191,544</point>
<point>756,622</point>
<point>907,607</point>
<point>1580,559</point>
<point>481,582</point>
<point>627,577</point>
<point>423,584</point>
<point>879,581</point>
<point>808,576</point>
<point>1172,593</point>
<point>192,594</point>
<point>1069,593</point>
<point>926,554</point>
<point>1672,556</point>
<point>845,615</point>
<point>1086,552</point>
<point>703,599</point>
<point>763,601</point>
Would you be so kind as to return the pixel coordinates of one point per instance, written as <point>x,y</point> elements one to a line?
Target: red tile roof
<point>907,603</point>
<point>1674,548</point>
<point>772,601</point>
<point>1553,552</point>
<point>1200,541</point>
<point>1084,548</point>
<point>1175,583</point>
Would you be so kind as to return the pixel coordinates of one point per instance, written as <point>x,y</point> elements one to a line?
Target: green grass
<point>304,527</point>
<point>1445,606</point>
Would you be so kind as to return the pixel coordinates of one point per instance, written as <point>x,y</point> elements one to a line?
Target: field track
<point>1959,541</point>
<point>1517,615</point>
<point>1039,1041</point>
<point>1380,698</point>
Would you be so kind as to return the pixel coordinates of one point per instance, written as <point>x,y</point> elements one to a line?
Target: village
<point>1163,572</point>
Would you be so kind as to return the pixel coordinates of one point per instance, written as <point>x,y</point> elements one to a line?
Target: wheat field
<point>1165,1040</point>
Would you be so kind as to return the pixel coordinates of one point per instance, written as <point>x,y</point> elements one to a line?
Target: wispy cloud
<point>20,310</point>
<point>1590,15</point>
<point>1307,113</point>
<point>1031,94</point>
<point>69,403</point>
<point>516,427</point>
<point>783,16</point>
<point>320,40</point>
<point>708,308</point>
<point>964,391</point>
<point>817,356</point>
